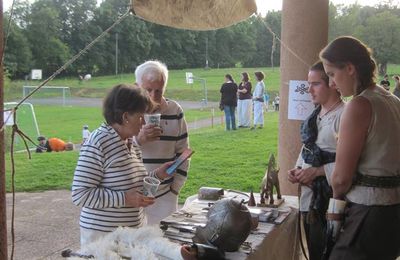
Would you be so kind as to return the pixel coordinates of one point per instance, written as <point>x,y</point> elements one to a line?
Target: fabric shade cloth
<point>200,15</point>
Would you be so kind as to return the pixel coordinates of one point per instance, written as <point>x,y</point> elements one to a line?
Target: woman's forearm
<point>340,186</point>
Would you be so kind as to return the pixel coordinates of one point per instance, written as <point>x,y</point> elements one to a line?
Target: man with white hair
<point>164,143</point>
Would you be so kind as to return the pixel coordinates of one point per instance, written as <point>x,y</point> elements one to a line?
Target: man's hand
<point>134,199</point>
<point>306,176</point>
<point>148,133</point>
<point>292,175</point>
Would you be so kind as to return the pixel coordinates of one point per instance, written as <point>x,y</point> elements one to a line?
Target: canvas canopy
<point>194,14</point>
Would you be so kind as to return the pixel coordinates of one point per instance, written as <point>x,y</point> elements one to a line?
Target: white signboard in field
<point>36,74</point>
<point>189,78</point>
<point>299,105</point>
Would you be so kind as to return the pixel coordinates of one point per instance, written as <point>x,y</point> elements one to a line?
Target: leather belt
<point>377,181</point>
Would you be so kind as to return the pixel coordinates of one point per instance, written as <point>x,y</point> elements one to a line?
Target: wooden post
<point>305,33</point>
<point>3,204</point>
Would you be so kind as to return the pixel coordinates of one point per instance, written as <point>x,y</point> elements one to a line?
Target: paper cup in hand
<point>152,119</point>
<point>150,186</point>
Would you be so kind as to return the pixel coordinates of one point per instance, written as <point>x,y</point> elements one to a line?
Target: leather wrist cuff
<point>335,216</point>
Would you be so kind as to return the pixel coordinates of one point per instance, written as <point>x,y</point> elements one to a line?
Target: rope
<point>24,137</point>
<point>7,33</point>
<point>284,45</point>
<point>73,59</point>
<point>299,225</point>
<point>273,49</point>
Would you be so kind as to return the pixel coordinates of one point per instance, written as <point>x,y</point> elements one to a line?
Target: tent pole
<point>3,216</point>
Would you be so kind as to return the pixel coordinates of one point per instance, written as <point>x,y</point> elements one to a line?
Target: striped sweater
<point>173,141</point>
<point>105,170</point>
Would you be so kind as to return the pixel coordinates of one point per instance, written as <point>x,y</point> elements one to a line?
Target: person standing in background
<point>258,101</point>
<point>396,90</point>
<point>164,143</point>
<point>229,101</point>
<point>385,83</point>
<point>276,102</point>
<point>244,102</point>
<point>85,133</point>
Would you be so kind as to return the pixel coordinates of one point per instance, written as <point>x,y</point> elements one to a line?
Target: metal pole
<point>206,51</point>
<point>212,117</point>
<point>205,91</point>
<point>63,96</point>
<point>3,215</point>
<point>116,53</point>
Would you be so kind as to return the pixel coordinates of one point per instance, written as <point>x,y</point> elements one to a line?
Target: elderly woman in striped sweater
<point>109,174</point>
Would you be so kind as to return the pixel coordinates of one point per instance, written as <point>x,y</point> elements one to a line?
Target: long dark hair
<point>347,49</point>
<point>246,77</point>
<point>229,76</point>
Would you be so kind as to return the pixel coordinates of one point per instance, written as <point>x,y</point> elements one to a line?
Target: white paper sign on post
<point>8,118</point>
<point>189,78</point>
<point>300,105</point>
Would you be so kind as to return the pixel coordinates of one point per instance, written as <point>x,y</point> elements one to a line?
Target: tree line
<point>46,33</point>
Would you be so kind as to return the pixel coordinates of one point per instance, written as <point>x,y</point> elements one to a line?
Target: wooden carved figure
<point>270,181</point>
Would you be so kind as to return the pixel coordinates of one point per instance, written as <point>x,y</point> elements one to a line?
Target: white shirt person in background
<point>85,133</point>
<point>258,101</point>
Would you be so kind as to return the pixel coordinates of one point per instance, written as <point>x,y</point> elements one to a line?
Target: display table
<point>268,241</point>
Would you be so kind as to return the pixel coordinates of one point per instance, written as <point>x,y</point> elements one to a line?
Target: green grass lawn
<point>234,160</point>
<point>176,89</point>
<point>73,119</point>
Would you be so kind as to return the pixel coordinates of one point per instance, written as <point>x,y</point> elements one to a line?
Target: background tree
<point>18,54</point>
<point>382,33</point>
<point>46,33</point>
<point>344,20</point>
<point>43,32</point>
<point>75,16</point>
<point>172,46</point>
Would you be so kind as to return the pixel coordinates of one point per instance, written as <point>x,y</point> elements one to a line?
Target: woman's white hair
<point>152,70</point>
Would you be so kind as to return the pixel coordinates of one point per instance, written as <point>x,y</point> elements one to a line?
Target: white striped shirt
<point>173,141</point>
<point>105,170</point>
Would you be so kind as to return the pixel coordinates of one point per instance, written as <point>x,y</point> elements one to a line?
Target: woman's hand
<point>244,91</point>
<point>148,133</point>
<point>135,199</point>
<point>161,171</point>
